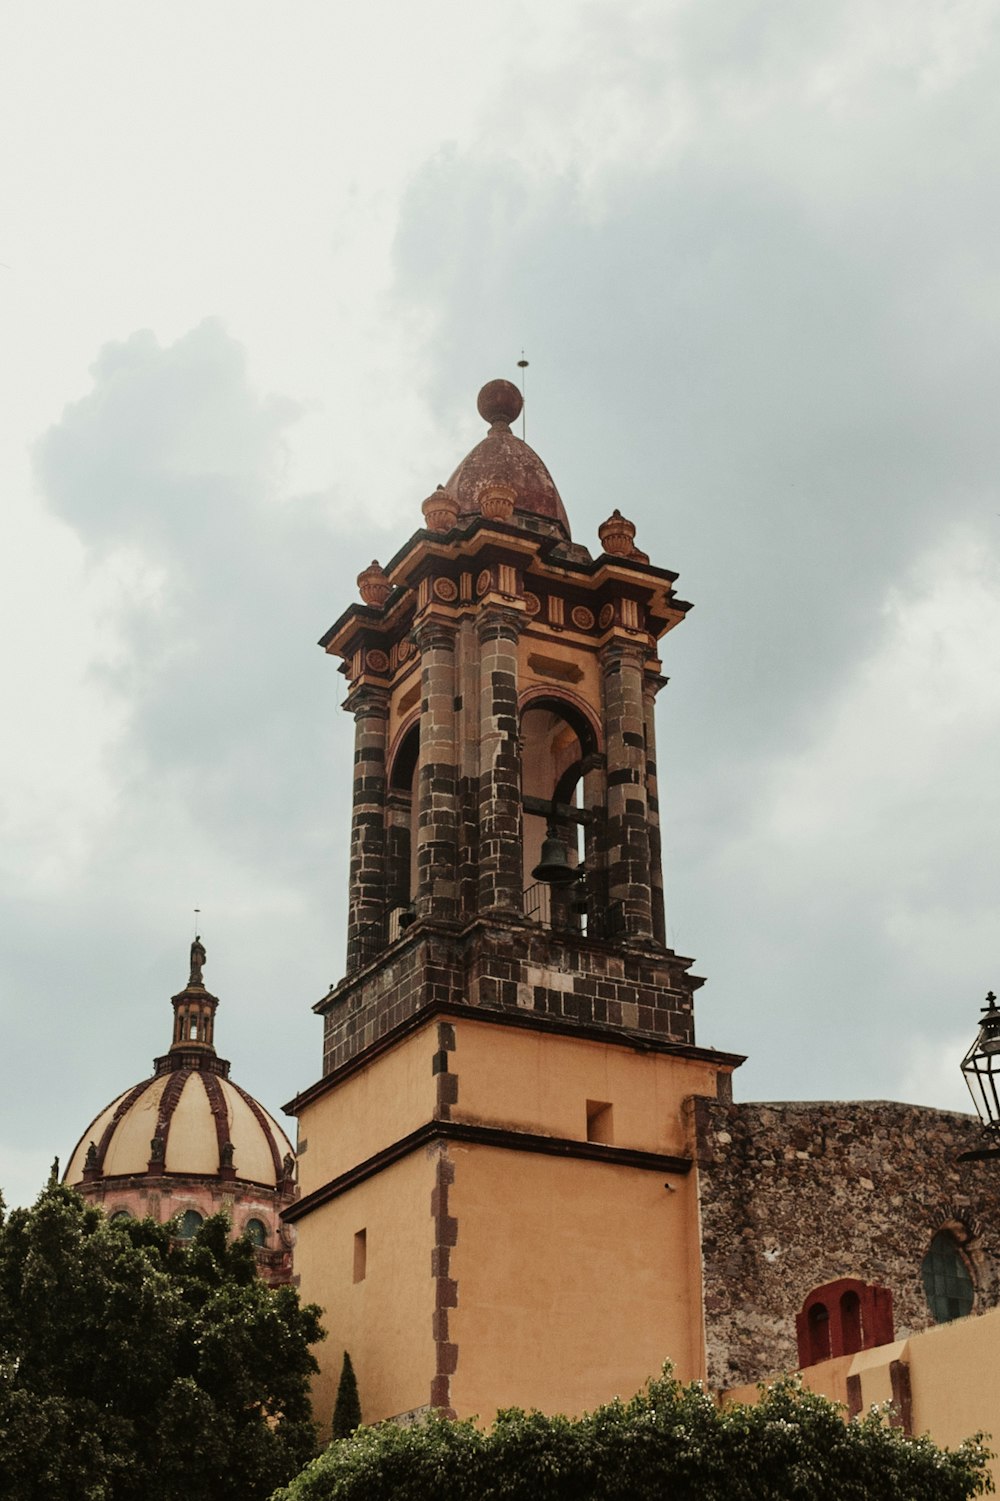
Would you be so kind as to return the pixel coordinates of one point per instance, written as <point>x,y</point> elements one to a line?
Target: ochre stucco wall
<point>576,1280</point>
<point>383,1101</point>
<point>954,1372</point>
<point>385,1320</point>
<point>534,1081</point>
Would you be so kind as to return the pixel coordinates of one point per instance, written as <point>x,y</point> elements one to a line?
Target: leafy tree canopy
<point>670,1443</point>
<point>132,1366</point>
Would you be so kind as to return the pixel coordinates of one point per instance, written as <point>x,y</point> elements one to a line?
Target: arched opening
<point>189,1224</point>
<point>555,739</point>
<point>850,1322</point>
<point>948,1285</point>
<point>819,1333</point>
<point>401,842</point>
<point>256,1232</point>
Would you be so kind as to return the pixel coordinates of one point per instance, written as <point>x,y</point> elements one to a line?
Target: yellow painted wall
<point>954,1380</point>
<point>534,1081</point>
<point>369,1110</point>
<point>385,1321</point>
<point>576,1280</point>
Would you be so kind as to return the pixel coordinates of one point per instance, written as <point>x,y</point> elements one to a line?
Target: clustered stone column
<point>501,874</point>
<point>628,856</point>
<point>437,778</point>
<point>367,905</point>
<point>652,686</point>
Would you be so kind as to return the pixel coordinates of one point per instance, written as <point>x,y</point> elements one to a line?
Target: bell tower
<point>499,1195</point>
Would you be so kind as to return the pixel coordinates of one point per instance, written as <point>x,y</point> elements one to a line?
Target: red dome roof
<point>503,458</point>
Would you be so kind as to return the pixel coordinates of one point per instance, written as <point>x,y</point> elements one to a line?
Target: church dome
<point>504,459</point>
<point>188,1141</point>
<point>196,1116</point>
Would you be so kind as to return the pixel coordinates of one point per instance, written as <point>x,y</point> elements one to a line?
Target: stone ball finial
<point>500,401</point>
<point>440,510</point>
<point>374,585</point>
<point>617,535</point>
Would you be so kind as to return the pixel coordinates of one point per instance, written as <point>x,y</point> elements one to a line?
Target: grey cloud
<point>175,456</point>
<point>776,350</point>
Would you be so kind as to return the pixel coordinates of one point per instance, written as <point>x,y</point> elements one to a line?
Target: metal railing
<point>584,909</point>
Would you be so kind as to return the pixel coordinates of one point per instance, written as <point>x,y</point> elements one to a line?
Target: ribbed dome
<point>502,458</point>
<point>194,1114</point>
<point>189,1120</point>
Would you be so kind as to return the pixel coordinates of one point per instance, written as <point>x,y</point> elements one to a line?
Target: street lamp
<point>981,1068</point>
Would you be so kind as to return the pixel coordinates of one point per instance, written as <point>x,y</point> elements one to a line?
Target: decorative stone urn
<point>440,510</point>
<point>373,584</point>
<point>496,500</point>
<point>617,535</point>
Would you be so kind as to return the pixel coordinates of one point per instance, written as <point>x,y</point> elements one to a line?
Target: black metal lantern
<point>981,1067</point>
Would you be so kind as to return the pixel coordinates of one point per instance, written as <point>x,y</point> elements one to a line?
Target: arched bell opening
<point>401,840</point>
<point>555,741</point>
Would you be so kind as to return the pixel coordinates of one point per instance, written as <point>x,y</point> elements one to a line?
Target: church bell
<point>554,867</point>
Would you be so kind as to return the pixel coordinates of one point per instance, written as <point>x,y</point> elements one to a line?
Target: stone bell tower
<point>499,1199</point>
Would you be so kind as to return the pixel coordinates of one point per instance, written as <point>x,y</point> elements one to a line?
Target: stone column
<point>629,883</point>
<point>399,821</point>
<point>652,686</point>
<point>501,859</point>
<point>437,776</point>
<point>367,901</point>
<point>595,843</point>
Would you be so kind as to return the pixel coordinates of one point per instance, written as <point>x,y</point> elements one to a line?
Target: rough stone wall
<point>797,1195</point>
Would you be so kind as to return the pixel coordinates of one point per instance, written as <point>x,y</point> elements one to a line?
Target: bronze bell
<point>554,867</point>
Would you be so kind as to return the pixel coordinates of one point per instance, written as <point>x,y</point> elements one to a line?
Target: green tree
<point>347,1408</point>
<point>670,1443</point>
<point>132,1366</point>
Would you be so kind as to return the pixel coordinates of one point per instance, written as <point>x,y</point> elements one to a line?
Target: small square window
<point>360,1255</point>
<point>600,1125</point>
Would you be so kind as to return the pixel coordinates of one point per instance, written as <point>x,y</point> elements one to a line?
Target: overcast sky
<point>255,263</point>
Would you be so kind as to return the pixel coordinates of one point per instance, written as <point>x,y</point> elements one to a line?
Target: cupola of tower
<point>504,461</point>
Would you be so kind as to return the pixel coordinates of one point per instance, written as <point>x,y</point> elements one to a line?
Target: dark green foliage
<point>670,1443</point>
<point>133,1367</point>
<point>347,1408</point>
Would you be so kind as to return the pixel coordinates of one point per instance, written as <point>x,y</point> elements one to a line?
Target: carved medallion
<point>532,603</point>
<point>582,618</point>
<point>483,581</point>
<point>606,616</point>
<point>376,660</point>
<point>446,589</point>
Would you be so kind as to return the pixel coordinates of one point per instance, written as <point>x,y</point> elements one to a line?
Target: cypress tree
<point>347,1408</point>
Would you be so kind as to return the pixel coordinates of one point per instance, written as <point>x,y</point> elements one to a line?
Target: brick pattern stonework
<point>628,853</point>
<point>497,966</point>
<point>501,880</point>
<point>797,1195</point>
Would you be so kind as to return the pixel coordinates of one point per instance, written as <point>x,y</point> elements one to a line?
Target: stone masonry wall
<point>513,967</point>
<point>797,1195</point>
